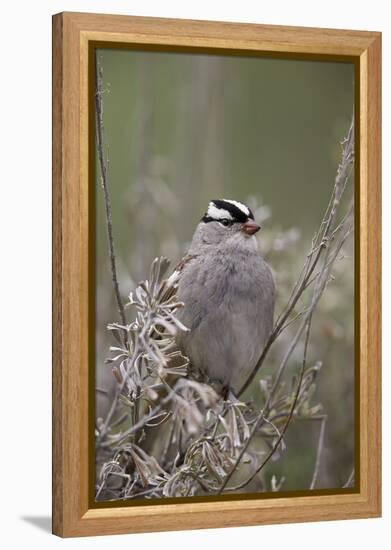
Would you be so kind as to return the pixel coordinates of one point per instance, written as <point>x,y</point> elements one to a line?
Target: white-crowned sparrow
<point>228,294</point>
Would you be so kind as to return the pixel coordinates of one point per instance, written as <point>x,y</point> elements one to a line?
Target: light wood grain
<point>71,35</point>
<point>58,464</point>
<point>370,272</point>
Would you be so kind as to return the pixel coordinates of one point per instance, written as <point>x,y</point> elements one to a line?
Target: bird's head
<point>227,221</point>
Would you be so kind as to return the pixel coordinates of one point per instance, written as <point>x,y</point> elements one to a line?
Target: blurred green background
<point>181,129</point>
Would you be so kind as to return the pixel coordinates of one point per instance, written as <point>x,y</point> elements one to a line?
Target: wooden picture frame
<point>73,34</point>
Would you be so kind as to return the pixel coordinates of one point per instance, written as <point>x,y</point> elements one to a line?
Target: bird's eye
<point>225,222</point>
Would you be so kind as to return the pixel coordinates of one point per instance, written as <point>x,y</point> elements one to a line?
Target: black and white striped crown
<point>225,209</point>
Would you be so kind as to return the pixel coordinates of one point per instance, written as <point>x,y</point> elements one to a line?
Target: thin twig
<point>143,421</point>
<point>168,444</point>
<point>291,321</point>
<point>319,451</point>
<point>105,425</point>
<point>350,480</point>
<point>105,186</point>
<point>242,452</point>
<point>147,492</point>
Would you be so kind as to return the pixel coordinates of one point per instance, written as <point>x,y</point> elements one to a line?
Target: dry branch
<point>103,163</point>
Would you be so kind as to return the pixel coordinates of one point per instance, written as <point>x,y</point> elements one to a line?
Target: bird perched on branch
<point>228,294</point>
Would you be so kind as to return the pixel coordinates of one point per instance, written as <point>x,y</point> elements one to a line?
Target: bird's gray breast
<point>229,305</point>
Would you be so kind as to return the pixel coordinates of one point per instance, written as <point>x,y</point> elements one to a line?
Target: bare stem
<point>143,421</point>
<point>113,407</point>
<point>319,451</point>
<point>104,181</point>
<point>168,444</point>
<point>350,481</point>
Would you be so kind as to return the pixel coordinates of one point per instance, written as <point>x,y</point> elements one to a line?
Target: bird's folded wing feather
<point>170,285</point>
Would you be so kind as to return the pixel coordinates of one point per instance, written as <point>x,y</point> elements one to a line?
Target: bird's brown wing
<point>169,286</point>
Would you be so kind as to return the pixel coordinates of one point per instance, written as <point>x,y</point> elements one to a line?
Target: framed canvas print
<point>216,274</point>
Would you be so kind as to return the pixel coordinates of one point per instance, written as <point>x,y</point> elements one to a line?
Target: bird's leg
<point>225,392</point>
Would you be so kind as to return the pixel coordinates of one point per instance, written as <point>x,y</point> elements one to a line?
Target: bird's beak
<point>250,227</point>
